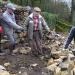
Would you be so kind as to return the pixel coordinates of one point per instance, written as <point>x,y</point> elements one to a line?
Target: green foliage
<point>62,25</point>
<point>55,23</point>
<point>58,28</point>
<point>50,6</point>
<point>50,19</point>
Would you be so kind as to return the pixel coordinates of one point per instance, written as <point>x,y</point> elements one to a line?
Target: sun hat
<point>11,6</point>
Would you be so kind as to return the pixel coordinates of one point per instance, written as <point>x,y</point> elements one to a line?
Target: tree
<point>73,13</point>
<point>50,6</point>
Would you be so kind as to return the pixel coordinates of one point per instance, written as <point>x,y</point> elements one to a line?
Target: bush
<point>62,25</point>
<point>50,19</point>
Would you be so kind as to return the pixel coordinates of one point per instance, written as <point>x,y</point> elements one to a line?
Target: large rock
<point>25,73</point>
<point>73,71</point>
<point>71,65</point>
<point>2,72</point>
<point>6,64</point>
<point>57,70</point>
<point>70,56</point>
<point>57,54</point>
<point>63,66</point>
<point>52,67</point>
<point>16,50</point>
<point>58,60</point>
<point>50,61</point>
<point>2,68</point>
<point>24,50</point>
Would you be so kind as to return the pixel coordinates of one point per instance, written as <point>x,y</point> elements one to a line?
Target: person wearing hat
<point>28,10</point>
<point>33,29</point>
<point>9,24</point>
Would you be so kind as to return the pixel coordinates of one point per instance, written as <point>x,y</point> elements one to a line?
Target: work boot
<point>34,54</point>
<point>1,53</point>
<point>11,48</point>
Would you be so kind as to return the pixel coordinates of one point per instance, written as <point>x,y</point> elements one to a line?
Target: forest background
<point>58,13</point>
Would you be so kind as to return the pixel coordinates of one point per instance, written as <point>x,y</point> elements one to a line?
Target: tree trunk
<point>73,13</point>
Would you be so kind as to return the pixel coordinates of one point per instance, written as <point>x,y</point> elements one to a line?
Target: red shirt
<point>36,21</point>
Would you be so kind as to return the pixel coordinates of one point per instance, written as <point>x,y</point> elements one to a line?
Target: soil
<point>20,64</point>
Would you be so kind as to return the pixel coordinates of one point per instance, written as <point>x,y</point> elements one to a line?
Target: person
<point>28,10</point>
<point>33,29</point>
<point>9,24</point>
<point>70,37</point>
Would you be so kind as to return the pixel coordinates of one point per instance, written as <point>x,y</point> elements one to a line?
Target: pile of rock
<point>20,16</point>
<point>62,62</point>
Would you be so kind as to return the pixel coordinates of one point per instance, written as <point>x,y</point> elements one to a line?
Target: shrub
<point>56,23</point>
<point>50,19</point>
<point>62,25</point>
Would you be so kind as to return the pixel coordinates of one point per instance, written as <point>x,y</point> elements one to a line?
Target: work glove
<point>22,29</point>
<point>24,35</point>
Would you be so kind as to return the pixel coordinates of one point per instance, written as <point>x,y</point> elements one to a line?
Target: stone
<point>25,73</point>
<point>50,61</point>
<point>16,51</point>
<point>23,52</point>
<point>34,65</point>
<point>2,68</point>
<point>2,72</point>
<point>71,65</point>
<point>57,70</point>
<point>63,66</point>
<point>73,70</point>
<point>6,64</point>
<point>70,56</point>
<point>57,54</point>
<point>58,60</point>
<point>63,57</point>
<point>52,67</point>
<point>50,37</point>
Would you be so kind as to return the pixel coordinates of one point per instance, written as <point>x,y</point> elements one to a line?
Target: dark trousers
<point>70,37</point>
<point>35,43</point>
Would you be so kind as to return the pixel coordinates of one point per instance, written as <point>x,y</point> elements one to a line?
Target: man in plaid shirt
<point>33,29</point>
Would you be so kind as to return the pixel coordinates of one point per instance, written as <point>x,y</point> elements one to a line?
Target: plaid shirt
<point>36,21</point>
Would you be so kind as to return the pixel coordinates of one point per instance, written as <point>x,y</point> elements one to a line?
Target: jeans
<point>11,38</point>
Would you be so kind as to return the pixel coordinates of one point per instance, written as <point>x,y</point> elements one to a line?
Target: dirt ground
<point>21,64</point>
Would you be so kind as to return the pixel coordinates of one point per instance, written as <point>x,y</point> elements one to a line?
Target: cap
<point>27,8</point>
<point>11,6</point>
<point>37,9</point>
